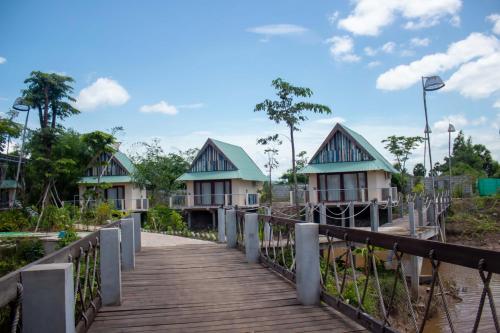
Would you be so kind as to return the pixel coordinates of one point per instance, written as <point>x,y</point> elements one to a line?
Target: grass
<point>474,217</point>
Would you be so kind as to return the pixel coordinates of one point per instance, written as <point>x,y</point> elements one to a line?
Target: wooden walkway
<point>209,288</point>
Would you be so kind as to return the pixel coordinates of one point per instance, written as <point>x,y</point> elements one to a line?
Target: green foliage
<point>13,220</point>
<point>419,170</point>
<point>158,171</point>
<point>418,188</point>
<point>103,213</point>
<point>55,218</point>
<point>8,130</point>
<point>301,161</point>
<point>16,253</point>
<point>286,110</point>
<point>474,217</point>
<point>162,218</point>
<point>69,237</point>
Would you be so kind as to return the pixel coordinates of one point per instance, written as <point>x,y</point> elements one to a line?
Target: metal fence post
<point>389,210</point>
<point>48,303</point>
<point>231,233</point>
<point>267,227</point>
<point>401,204</point>
<point>221,225</point>
<point>110,266</point>
<point>137,231</point>
<point>251,229</point>
<point>307,263</point>
<point>322,213</point>
<point>352,222</point>
<point>128,244</point>
<point>374,221</point>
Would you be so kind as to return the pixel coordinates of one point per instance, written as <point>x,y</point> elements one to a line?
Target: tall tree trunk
<point>46,108</point>
<point>270,183</point>
<point>294,172</point>
<point>54,114</point>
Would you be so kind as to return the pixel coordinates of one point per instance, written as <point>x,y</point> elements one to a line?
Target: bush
<point>16,253</point>
<point>68,237</point>
<point>162,218</point>
<point>55,218</point>
<point>418,188</point>
<point>103,213</point>
<point>13,220</point>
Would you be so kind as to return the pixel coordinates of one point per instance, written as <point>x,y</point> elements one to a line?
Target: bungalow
<point>347,168</point>
<point>8,185</point>
<point>122,193</point>
<point>221,174</point>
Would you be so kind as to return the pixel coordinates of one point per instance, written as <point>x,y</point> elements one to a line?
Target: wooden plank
<point>209,288</point>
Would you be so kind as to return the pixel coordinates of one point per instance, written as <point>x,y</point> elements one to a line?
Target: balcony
<point>139,204</point>
<point>183,201</point>
<point>339,196</point>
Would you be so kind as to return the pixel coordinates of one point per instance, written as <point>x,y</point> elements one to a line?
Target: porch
<point>344,196</point>
<point>210,200</point>
<point>125,205</point>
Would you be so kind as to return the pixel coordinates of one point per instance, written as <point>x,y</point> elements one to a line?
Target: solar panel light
<point>451,128</point>
<point>432,83</point>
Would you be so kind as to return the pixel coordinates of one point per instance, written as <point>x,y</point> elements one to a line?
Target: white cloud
<point>330,121</point>
<point>388,47</point>
<point>332,18</point>
<point>369,51</point>
<point>278,29</point>
<point>370,16</point>
<point>160,107</point>
<point>458,120</point>
<point>103,92</point>
<point>495,19</point>
<point>373,64</point>
<point>407,53</point>
<point>497,104</point>
<point>479,121</point>
<point>474,46</point>
<point>418,42</point>
<point>342,48</point>
<point>2,60</point>
<point>477,79</point>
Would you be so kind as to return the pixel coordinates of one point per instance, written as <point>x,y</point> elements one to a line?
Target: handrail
<point>70,253</point>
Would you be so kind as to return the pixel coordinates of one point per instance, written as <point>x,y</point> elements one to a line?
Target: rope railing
<point>374,278</point>
<point>84,254</point>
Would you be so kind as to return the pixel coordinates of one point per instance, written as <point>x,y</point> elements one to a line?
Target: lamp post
<point>451,129</point>
<point>430,83</point>
<point>21,106</point>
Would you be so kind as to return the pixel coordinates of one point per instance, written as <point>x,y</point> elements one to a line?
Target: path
<point>206,287</point>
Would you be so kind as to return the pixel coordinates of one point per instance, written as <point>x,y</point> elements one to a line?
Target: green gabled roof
<point>378,163</point>
<point>106,179</point>
<point>124,161</point>
<point>8,184</point>
<point>246,167</point>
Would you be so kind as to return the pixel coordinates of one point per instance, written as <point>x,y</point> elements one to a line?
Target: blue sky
<point>183,71</point>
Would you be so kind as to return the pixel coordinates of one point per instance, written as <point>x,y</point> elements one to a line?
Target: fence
<point>349,268</point>
<point>84,274</point>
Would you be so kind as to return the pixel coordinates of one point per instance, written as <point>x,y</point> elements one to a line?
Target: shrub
<point>68,237</point>
<point>103,213</point>
<point>418,188</point>
<point>162,218</point>
<point>13,220</point>
<point>55,218</point>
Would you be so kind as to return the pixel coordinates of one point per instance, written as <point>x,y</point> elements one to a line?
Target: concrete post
<point>307,212</point>
<point>221,226</point>
<point>307,263</point>
<point>401,203</point>
<point>189,219</point>
<point>213,219</point>
<point>128,244</point>
<point>431,212</point>
<point>170,202</point>
<point>322,213</point>
<point>251,237</point>
<point>420,210</point>
<point>48,303</point>
<point>374,222</point>
<point>231,234</point>
<point>137,231</point>
<point>414,265</point>
<point>352,222</point>
<point>110,266</point>
<point>267,227</point>
<point>389,210</point>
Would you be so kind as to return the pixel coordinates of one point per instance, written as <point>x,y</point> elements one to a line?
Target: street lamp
<point>451,129</point>
<point>431,83</point>
<point>21,106</point>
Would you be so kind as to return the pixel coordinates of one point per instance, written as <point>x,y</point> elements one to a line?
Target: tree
<point>287,177</point>
<point>401,147</point>
<point>271,151</point>
<point>419,170</point>
<point>8,130</point>
<point>157,171</point>
<point>291,113</point>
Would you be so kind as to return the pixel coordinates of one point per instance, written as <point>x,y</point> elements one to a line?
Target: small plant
<point>13,220</point>
<point>55,218</point>
<point>162,218</point>
<point>103,213</point>
<point>68,237</point>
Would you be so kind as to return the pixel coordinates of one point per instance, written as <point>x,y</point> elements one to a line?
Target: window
<point>212,193</point>
<point>342,187</point>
